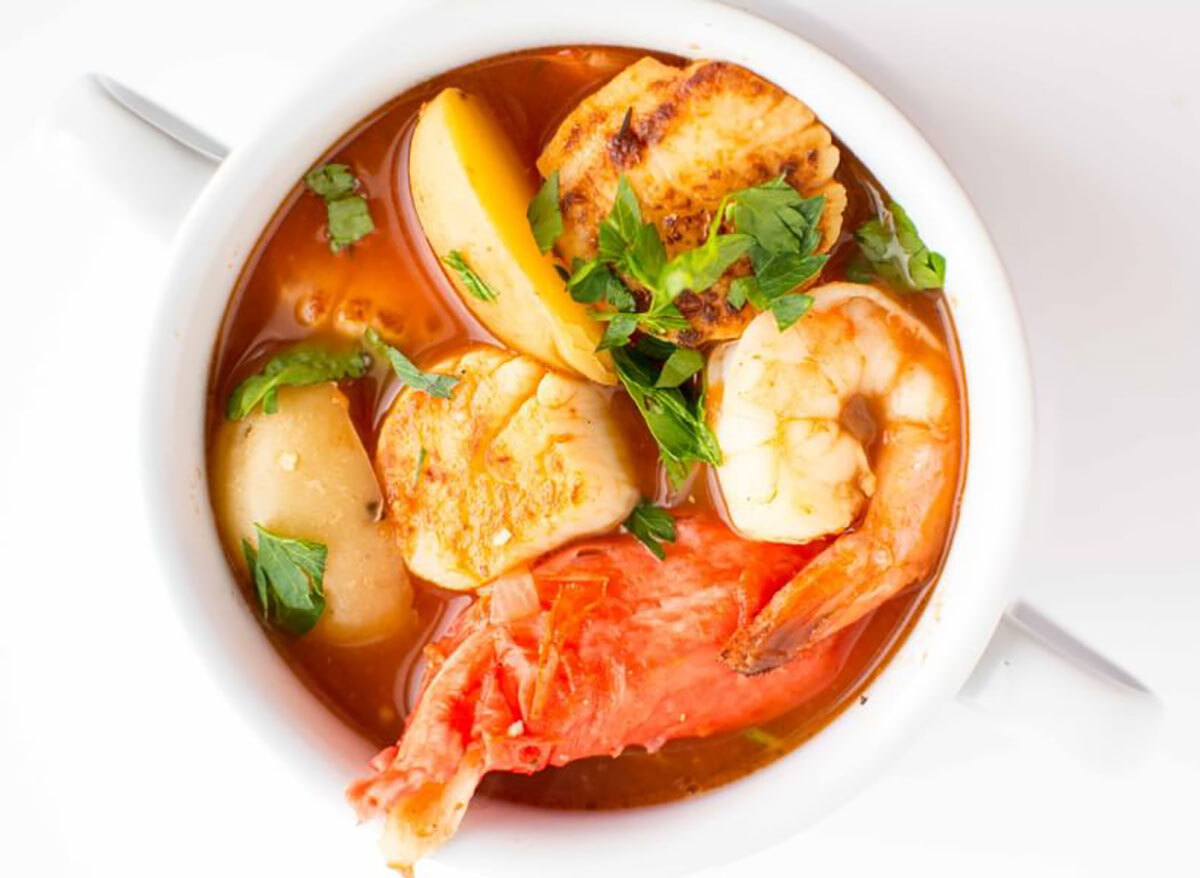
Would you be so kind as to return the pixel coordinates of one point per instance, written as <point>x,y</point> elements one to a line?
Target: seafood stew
<point>586,430</point>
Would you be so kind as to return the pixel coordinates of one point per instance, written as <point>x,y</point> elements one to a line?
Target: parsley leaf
<point>681,365</point>
<point>331,180</point>
<point>349,220</point>
<point>677,424</point>
<point>646,259</point>
<point>778,274</point>
<point>620,327</point>
<point>653,525</point>
<point>474,283</point>
<point>622,225</point>
<point>890,248</point>
<point>778,217</point>
<point>775,225</point>
<point>790,308</point>
<point>654,348</point>
<point>634,247</point>
<point>631,245</point>
<point>407,372</point>
<point>294,368</point>
<point>545,216</point>
<point>859,270</point>
<point>741,289</point>
<point>288,579</point>
<point>699,269</point>
<point>783,226</point>
<point>593,281</point>
<point>347,215</point>
<point>663,320</point>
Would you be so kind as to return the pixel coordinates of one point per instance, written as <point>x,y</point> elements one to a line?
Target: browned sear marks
<point>684,137</point>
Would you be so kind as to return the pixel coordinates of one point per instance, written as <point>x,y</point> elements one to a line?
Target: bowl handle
<point>1042,683</point>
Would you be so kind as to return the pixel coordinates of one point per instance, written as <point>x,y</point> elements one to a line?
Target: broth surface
<point>292,278</point>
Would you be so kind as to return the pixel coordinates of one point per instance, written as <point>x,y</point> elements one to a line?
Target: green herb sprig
<point>473,282</point>
<point>773,223</point>
<point>891,249</point>
<point>288,576</point>
<point>677,424</point>
<point>784,228</point>
<point>653,526</point>
<point>632,246</point>
<point>681,364</point>
<point>294,368</point>
<point>347,215</point>
<point>545,215</point>
<point>441,386</point>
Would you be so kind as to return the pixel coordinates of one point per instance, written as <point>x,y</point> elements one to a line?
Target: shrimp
<point>796,413</point>
<point>598,647</point>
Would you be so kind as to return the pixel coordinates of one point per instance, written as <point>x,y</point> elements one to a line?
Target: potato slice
<point>302,472</point>
<point>471,194</point>
<point>518,461</point>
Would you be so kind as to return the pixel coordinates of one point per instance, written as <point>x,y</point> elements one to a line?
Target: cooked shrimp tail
<point>898,545</point>
<point>908,496</point>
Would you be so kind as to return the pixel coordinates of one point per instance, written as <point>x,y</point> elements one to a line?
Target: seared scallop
<point>685,137</point>
<point>517,461</point>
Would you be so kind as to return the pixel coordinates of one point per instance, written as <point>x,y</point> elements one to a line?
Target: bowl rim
<point>944,644</point>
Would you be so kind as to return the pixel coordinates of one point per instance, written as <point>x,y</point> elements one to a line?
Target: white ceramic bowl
<point>780,800</point>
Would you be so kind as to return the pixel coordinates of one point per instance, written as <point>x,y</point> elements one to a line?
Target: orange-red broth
<point>292,281</point>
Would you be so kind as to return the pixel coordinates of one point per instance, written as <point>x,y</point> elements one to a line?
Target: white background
<point>1074,127</point>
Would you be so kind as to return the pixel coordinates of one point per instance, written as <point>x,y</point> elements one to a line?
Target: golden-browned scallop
<point>684,137</point>
<point>302,472</point>
<point>518,460</point>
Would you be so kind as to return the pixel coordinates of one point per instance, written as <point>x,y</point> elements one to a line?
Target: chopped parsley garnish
<point>740,290</point>
<point>784,228</point>
<point>775,226</point>
<point>681,365</point>
<point>294,368</point>
<point>633,247</point>
<point>763,738</point>
<point>620,327</point>
<point>545,216</point>
<point>347,215</point>
<point>592,281</point>
<point>891,249</point>
<point>790,308</point>
<point>652,525</point>
<point>676,423</point>
<point>406,370</point>
<point>331,181</point>
<point>699,269</point>
<point>288,577</point>
<point>472,281</point>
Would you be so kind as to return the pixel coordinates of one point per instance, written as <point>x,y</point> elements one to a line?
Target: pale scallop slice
<point>519,460</point>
